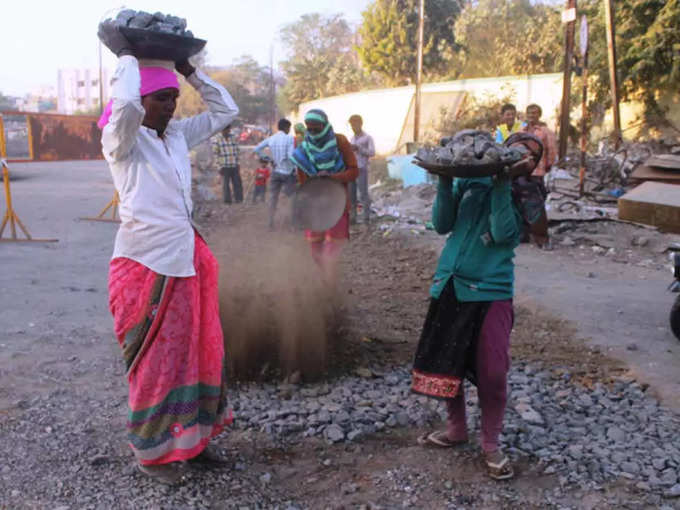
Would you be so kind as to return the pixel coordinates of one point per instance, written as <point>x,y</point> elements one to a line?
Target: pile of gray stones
<point>63,450</point>
<point>585,437</point>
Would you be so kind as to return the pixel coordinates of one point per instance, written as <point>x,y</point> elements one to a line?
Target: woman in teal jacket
<point>468,323</point>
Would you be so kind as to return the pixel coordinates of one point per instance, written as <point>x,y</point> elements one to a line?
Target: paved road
<point>55,295</point>
<point>61,288</point>
<point>38,279</point>
<point>622,308</point>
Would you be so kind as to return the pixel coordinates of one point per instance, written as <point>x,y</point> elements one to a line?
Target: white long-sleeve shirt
<point>365,149</point>
<point>281,146</point>
<point>152,174</point>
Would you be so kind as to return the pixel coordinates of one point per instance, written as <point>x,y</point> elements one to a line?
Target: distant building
<point>78,90</point>
<point>8,103</point>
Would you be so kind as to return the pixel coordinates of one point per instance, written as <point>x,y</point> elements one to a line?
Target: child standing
<point>262,174</point>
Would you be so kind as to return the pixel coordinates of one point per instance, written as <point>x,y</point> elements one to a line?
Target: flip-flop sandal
<point>438,439</point>
<point>167,474</point>
<point>209,456</point>
<point>501,471</point>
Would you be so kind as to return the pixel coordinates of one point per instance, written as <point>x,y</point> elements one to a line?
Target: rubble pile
<point>157,22</point>
<point>470,148</point>
<point>583,436</point>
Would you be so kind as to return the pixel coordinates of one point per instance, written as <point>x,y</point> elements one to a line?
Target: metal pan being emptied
<point>319,203</point>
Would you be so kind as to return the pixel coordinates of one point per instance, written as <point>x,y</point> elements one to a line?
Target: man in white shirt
<point>163,278</point>
<point>281,146</point>
<point>364,150</point>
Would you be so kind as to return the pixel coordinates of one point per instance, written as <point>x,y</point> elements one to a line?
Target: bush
<point>483,114</point>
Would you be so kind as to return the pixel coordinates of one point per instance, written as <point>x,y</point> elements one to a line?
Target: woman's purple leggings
<point>493,363</point>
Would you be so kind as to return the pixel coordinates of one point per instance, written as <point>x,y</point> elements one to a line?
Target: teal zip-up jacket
<point>484,227</point>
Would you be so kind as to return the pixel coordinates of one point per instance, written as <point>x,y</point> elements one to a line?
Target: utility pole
<point>101,85</point>
<point>568,17</point>
<point>272,88</point>
<point>613,78</point>
<point>419,71</point>
<point>584,103</point>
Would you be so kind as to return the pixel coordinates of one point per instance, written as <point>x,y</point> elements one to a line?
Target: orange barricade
<point>51,137</point>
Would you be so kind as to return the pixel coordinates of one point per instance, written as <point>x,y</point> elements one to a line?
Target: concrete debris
<point>470,148</point>
<point>157,22</point>
<point>529,414</point>
<point>653,203</point>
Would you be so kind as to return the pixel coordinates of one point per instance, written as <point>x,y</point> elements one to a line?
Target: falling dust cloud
<point>278,315</point>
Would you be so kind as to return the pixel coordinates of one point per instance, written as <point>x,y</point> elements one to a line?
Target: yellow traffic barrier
<point>113,206</point>
<point>11,217</point>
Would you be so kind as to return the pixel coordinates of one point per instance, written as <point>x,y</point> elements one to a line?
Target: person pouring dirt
<point>326,154</point>
<point>470,316</point>
<point>163,277</point>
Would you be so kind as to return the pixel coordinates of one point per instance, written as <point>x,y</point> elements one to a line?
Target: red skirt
<point>170,333</point>
<point>339,232</point>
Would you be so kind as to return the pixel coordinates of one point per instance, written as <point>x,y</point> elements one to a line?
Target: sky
<point>41,36</point>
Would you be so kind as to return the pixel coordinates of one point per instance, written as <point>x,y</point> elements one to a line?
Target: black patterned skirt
<point>447,346</point>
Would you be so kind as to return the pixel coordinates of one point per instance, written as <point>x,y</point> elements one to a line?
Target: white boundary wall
<point>384,110</point>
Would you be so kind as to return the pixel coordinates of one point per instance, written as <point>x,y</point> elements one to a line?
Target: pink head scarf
<point>153,79</point>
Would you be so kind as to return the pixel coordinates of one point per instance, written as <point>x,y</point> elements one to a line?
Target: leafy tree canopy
<point>322,61</point>
<point>389,37</point>
<point>648,51</point>
<point>247,82</point>
<point>507,37</point>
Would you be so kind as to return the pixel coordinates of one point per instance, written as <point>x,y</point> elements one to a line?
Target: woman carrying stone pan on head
<point>468,323</point>
<point>163,277</point>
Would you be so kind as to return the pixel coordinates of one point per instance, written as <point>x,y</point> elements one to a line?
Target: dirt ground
<point>379,327</point>
<point>57,334</point>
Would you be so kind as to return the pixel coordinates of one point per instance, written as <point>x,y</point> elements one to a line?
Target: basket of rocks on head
<point>470,154</point>
<point>152,36</point>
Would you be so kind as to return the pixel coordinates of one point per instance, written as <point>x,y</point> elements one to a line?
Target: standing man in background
<point>281,146</point>
<point>226,151</point>
<point>364,150</point>
<point>535,126</point>
<point>509,123</point>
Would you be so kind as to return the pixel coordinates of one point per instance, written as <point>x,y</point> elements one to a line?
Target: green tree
<point>482,113</point>
<point>252,88</point>
<point>246,81</point>
<point>92,111</point>
<point>507,37</point>
<point>648,52</point>
<point>322,60</point>
<point>389,37</point>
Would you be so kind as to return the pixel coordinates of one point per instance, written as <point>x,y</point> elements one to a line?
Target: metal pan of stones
<point>319,203</point>
<point>461,171</point>
<point>157,36</point>
<point>471,154</point>
<point>162,45</point>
